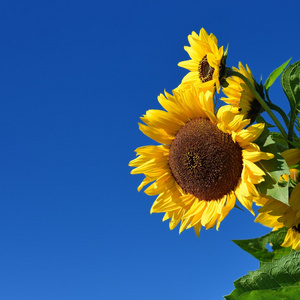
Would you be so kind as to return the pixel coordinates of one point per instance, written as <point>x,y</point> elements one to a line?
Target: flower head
<point>276,214</point>
<point>203,163</point>
<point>205,64</point>
<point>240,96</point>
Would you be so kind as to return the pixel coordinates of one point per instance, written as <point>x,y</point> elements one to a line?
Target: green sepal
<point>273,168</point>
<point>223,69</point>
<point>257,247</point>
<point>273,76</point>
<point>236,206</point>
<point>279,279</point>
<point>225,54</point>
<point>260,89</point>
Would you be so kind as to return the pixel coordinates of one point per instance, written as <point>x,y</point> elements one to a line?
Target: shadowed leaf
<point>274,169</point>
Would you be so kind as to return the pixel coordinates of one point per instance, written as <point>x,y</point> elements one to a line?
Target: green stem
<point>281,112</point>
<point>261,101</point>
<point>291,127</point>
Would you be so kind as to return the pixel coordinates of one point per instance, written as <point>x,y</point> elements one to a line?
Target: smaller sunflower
<point>240,96</point>
<point>205,160</point>
<point>205,64</point>
<point>276,214</point>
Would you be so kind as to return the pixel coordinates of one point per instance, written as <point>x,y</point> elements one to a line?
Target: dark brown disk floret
<point>205,161</point>
<point>205,70</point>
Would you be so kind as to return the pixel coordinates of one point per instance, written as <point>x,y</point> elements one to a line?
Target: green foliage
<point>280,141</point>
<point>286,293</point>
<point>278,276</point>
<point>257,247</point>
<point>274,169</point>
<point>290,81</point>
<point>295,143</point>
<point>260,119</point>
<point>273,76</point>
<point>279,279</point>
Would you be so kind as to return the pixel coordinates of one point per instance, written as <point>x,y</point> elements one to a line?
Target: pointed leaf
<point>257,247</point>
<point>273,76</point>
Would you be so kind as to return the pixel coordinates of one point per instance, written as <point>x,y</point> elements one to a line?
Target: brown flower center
<point>205,70</point>
<point>204,160</point>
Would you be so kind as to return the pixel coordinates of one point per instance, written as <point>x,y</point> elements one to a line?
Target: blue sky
<point>75,76</point>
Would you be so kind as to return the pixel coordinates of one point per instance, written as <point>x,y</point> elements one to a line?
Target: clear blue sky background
<point>75,76</point>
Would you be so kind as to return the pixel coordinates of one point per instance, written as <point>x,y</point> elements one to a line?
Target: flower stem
<point>291,127</point>
<point>261,101</point>
<point>281,112</point>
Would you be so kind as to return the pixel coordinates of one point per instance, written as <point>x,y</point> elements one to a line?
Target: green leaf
<point>288,293</point>
<point>279,279</point>
<point>280,141</point>
<point>273,76</point>
<point>296,143</point>
<point>257,247</point>
<point>290,81</point>
<point>274,169</point>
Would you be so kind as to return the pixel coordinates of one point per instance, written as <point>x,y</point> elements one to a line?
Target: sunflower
<point>276,214</point>
<point>240,96</point>
<point>203,163</point>
<point>205,64</point>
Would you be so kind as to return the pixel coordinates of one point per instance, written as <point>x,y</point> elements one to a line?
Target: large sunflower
<point>205,64</point>
<point>205,160</point>
<point>240,96</point>
<point>276,214</point>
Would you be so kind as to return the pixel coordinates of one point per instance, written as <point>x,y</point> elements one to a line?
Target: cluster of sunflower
<point>206,158</point>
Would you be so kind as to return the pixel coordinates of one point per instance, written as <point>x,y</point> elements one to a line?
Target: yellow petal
<point>255,156</point>
<point>250,134</point>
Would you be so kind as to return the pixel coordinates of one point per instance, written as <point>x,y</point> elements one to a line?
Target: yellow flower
<point>203,163</point>
<point>239,94</point>
<point>205,64</point>
<point>276,214</point>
